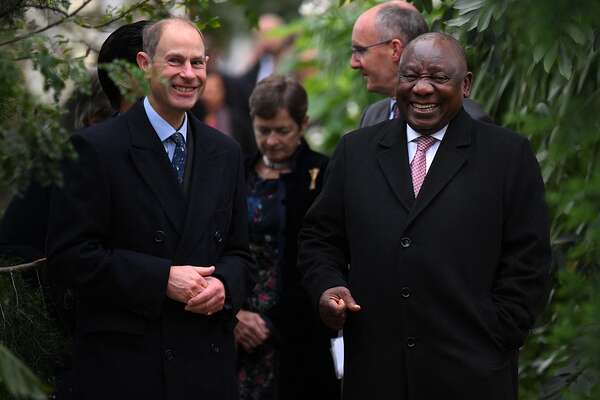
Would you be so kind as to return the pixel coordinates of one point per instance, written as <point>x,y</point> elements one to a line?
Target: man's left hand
<point>210,300</point>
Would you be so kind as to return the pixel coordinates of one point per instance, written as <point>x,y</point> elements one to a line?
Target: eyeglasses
<point>359,51</point>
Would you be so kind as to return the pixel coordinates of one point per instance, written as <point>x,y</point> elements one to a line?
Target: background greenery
<point>537,71</point>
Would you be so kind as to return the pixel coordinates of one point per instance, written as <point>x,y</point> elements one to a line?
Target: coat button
<point>218,237</point>
<point>159,236</point>
<point>405,292</point>
<point>411,342</point>
<point>169,355</point>
<point>405,242</point>
<point>214,348</point>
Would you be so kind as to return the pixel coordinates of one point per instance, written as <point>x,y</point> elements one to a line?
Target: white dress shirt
<point>163,129</point>
<point>412,135</point>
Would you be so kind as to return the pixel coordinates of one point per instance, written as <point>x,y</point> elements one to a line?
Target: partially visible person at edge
<point>24,223</point>
<point>123,44</point>
<point>443,221</point>
<point>379,36</point>
<point>150,230</point>
<point>283,347</point>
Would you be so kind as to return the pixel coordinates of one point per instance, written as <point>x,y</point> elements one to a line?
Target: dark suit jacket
<point>380,111</point>
<point>305,364</point>
<point>114,232</point>
<point>449,283</point>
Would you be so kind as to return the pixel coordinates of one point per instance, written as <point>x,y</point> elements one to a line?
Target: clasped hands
<point>195,287</point>
<point>333,304</point>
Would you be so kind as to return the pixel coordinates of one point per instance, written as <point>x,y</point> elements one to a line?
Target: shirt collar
<point>411,134</point>
<point>163,129</point>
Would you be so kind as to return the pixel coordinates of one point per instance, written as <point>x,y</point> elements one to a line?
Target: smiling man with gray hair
<point>379,36</point>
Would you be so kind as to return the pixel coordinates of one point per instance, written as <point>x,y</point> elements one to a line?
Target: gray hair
<point>153,32</point>
<point>397,22</point>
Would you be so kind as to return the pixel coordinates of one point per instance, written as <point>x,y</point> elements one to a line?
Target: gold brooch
<point>313,172</point>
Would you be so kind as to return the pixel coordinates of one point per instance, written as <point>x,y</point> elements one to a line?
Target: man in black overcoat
<point>150,230</point>
<point>442,222</point>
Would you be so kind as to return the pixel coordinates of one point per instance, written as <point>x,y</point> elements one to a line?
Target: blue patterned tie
<point>178,160</point>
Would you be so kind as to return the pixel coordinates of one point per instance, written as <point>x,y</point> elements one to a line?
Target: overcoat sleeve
<point>323,253</point>
<point>522,279</point>
<point>79,242</point>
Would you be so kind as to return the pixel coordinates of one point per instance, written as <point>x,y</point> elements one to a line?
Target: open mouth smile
<point>184,89</point>
<point>424,107</point>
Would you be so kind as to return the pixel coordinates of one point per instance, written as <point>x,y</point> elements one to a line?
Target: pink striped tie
<point>418,165</point>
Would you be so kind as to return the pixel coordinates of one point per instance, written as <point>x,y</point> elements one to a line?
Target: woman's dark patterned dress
<point>266,222</point>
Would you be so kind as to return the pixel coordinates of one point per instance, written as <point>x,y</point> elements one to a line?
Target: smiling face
<point>278,138</point>
<point>433,81</point>
<point>378,64</point>
<point>176,72</point>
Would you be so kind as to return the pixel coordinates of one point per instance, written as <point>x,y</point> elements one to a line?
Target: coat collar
<point>450,157</point>
<point>151,161</point>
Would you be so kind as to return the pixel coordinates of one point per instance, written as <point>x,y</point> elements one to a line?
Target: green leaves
<point>18,380</point>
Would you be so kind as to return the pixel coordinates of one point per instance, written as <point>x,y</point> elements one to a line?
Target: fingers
<point>210,300</point>
<point>184,283</point>
<point>251,330</point>
<point>349,302</point>
<point>205,271</point>
<point>333,305</point>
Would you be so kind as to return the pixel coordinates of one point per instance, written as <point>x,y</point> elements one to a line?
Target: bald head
<point>394,19</point>
<point>432,82</point>
<point>378,38</point>
<point>450,44</point>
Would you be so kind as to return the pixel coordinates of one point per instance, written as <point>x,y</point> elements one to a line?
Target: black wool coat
<point>115,230</point>
<point>449,283</point>
<point>305,364</point>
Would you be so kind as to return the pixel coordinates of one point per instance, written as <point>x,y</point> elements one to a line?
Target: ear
<point>143,61</point>
<point>397,48</point>
<point>466,84</point>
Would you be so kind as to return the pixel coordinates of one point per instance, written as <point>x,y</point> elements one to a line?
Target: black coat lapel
<point>449,159</point>
<point>150,159</point>
<point>392,156</point>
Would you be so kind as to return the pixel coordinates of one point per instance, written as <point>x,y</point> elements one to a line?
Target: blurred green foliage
<point>28,328</point>
<point>537,71</point>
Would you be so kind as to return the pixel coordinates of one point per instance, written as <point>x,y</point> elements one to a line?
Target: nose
<point>423,87</point>
<point>187,71</point>
<point>272,139</point>
<point>354,61</point>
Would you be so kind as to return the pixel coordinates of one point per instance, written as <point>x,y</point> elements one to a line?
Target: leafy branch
<point>45,28</point>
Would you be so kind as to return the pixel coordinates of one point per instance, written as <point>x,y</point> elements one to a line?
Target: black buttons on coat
<point>159,236</point>
<point>405,242</point>
<point>411,342</point>
<point>169,355</point>
<point>218,237</point>
<point>215,348</point>
<point>405,292</point>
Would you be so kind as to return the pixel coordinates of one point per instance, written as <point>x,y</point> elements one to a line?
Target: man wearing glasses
<point>150,231</point>
<point>378,39</point>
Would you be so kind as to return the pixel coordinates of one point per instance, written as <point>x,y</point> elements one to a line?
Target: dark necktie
<point>178,160</point>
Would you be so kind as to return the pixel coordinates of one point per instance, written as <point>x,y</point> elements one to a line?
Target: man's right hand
<point>333,305</point>
<point>186,281</point>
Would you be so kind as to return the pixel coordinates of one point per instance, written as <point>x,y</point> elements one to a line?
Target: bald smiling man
<point>443,221</point>
<point>379,36</point>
